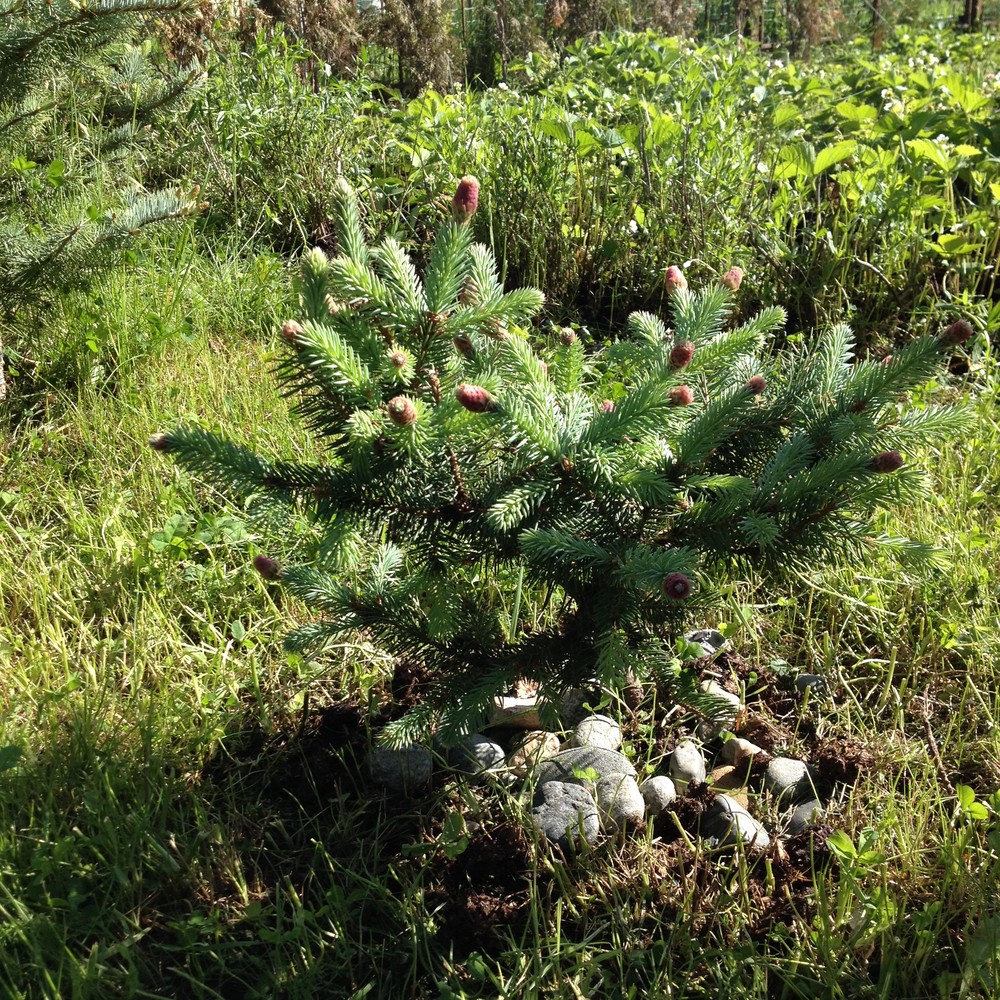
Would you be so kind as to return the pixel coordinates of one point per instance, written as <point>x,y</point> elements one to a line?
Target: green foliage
<point>76,97</point>
<point>643,148</point>
<point>457,454</point>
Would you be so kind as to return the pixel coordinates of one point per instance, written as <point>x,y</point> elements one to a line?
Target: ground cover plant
<point>180,812</point>
<point>863,185</point>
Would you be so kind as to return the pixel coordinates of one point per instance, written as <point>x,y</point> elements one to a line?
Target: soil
<point>483,895</point>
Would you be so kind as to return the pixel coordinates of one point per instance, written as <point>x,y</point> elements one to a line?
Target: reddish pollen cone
<point>732,279</point>
<point>399,359</point>
<point>401,411</point>
<point>268,568</point>
<point>474,398</point>
<point>674,279</point>
<point>681,354</point>
<point>159,442</point>
<point>681,396</point>
<point>291,331</point>
<point>676,586</point>
<point>466,200</point>
<point>608,406</point>
<point>757,384</point>
<point>886,461</point>
<point>957,333</point>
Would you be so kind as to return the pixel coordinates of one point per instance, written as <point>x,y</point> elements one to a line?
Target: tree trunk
<point>878,26</point>
<point>972,18</point>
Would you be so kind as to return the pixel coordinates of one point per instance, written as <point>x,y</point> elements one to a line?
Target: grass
<point>177,824</point>
<point>182,806</point>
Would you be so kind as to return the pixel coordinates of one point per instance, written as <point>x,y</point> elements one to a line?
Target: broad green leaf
<point>785,113</point>
<point>841,844</point>
<point>558,128</point>
<point>963,95</point>
<point>852,112</point>
<point>955,243</point>
<point>834,153</point>
<point>928,149</point>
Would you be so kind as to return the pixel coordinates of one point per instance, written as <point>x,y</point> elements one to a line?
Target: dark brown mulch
<point>487,888</point>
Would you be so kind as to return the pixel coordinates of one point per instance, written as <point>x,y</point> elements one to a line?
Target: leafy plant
<point>625,484</point>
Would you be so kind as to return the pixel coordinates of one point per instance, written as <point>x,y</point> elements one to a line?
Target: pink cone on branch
<point>675,280</point>
<point>957,333</point>
<point>681,395</point>
<point>732,279</point>
<point>402,411</point>
<point>466,200</point>
<point>676,586</point>
<point>291,331</point>
<point>159,442</point>
<point>886,461</point>
<point>756,384</point>
<point>269,569</point>
<point>475,398</point>
<point>608,406</point>
<point>567,336</point>
<point>399,359</point>
<point>681,354</point>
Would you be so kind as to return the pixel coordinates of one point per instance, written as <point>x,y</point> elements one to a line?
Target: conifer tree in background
<point>620,486</point>
<point>75,98</point>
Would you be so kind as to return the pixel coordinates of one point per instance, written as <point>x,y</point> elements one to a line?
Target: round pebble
<point>813,683</point>
<point>738,751</point>
<point>687,764</point>
<point>711,640</point>
<point>658,793</point>
<point>599,731</point>
<point>804,815</point>
<point>620,804</point>
<point>405,771</point>
<point>730,823</point>
<point>584,765</point>
<point>530,750</point>
<point>565,813</point>
<point>476,755</point>
<point>789,779</point>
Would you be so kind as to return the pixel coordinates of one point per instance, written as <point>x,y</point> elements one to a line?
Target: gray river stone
<point>599,731</point>
<point>789,780</point>
<point>711,640</point>
<point>687,764</point>
<point>730,823</point>
<point>476,754</point>
<point>565,813</point>
<point>659,793</point>
<point>404,771</point>
<point>571,766</point>
<point>620,805</point>
<point>813,683</point>
<point>804,815</point>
